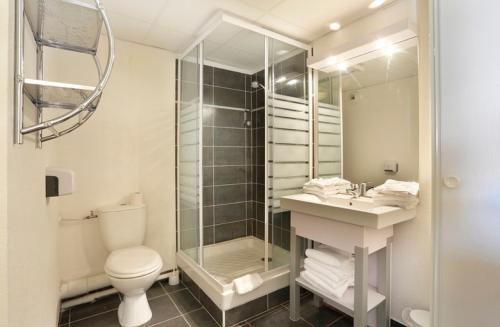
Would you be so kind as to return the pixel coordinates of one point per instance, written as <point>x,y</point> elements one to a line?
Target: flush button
<point>451,182</point>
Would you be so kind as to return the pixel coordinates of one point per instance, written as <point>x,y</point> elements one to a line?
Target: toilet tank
<point>122,226</point>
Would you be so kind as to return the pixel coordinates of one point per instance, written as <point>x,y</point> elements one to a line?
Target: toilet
<point>416,318</point>
<point>131,267</point>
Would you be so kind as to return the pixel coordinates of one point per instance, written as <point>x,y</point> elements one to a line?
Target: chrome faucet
<point>355,190</point>
<point>358,190</point>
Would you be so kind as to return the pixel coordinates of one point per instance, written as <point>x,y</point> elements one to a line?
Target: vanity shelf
<point>346,303</point>
<point>353,225</point>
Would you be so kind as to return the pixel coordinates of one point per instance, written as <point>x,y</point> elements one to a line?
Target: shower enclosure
<point>244,139</point>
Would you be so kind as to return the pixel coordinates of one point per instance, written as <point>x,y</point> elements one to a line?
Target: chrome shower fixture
<point>256,84</point>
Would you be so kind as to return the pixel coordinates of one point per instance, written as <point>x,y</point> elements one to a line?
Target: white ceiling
<point>174,24</point>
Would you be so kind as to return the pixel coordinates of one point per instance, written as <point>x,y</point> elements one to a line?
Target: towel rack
<point>71,25</point>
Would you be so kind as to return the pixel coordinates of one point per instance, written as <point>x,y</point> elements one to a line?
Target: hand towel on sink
<point>396,193</point>
<point>324,188</point>
<point>327,183</point>
<point>398,188</point>
<point>247,283</point>
<point>328,256</point>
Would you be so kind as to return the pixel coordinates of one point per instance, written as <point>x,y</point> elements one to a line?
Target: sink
<point>360,211</point>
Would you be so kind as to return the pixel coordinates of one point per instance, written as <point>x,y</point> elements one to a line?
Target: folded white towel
<point>325,183</point>
<point>324,195</point>
<point>318,283</point>
<point>386,200</point>
<point>394,187</point>
<point>336,274</point>
<point>247,283</point>
<point>328,256</point>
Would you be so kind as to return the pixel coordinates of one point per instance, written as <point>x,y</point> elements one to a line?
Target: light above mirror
<point>335,26</point>
<point>375,4</point>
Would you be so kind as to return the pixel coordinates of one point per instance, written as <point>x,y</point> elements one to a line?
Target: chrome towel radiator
<point>72,25</point>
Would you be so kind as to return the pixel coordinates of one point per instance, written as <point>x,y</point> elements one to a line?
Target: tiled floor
<point>175,306</point>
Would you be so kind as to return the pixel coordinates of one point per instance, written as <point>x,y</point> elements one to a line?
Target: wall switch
<point>391,167</point>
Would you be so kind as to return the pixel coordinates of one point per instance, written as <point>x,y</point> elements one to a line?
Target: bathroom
<point>189,163</point>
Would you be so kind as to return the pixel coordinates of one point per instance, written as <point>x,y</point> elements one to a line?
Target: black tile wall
<point>234,153</point>
<point>226,139</point>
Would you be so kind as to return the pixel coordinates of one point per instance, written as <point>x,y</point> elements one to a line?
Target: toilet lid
<point>132,262</point>
<point>421,317</point>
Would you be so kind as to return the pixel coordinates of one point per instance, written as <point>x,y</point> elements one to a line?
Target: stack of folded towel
<point>396,193</point>
<point>329,271</point>
<point>326,187</point>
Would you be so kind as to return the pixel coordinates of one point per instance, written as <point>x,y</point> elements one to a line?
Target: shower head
<point>255,85</point>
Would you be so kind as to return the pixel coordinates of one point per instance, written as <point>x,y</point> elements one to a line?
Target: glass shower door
<point>329,125</point>
<point>189,155</point>
<point>289,138</point>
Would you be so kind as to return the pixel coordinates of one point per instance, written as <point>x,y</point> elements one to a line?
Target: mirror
<point>374,99</point>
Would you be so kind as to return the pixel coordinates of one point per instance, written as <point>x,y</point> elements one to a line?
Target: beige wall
<point>32,273</point>
<point>381,124</point>
<point>127,146</point>
<point>412,250</point>
<point>4,104</point>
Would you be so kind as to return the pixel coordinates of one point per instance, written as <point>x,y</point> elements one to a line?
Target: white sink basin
<point>344,208</point>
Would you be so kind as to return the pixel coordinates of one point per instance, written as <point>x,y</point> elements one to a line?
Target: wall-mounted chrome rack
<point>72,25</point>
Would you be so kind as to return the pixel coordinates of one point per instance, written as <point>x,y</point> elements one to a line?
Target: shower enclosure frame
<point>222,294</point>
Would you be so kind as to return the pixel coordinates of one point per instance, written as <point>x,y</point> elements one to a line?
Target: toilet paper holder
<point>59,181</point>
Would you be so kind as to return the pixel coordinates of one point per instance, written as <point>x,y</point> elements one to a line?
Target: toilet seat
<point>132,262</point>
<point>420,318</point>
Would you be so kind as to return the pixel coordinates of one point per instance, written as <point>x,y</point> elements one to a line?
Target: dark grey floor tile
<point>318,317</point>
<point>108,319</point>
<point>246,310</point>
<point>184,301</point>
<point>191,285</point>
<point>175,322</point>
<point>277,318</point>
<point>211,307</point>
<point>155,291</point>
<point>396,324</point>
<point>200,318</point>
<point>278,297</point>
<point>99,306</point>
<point>163,308</point>
<point>172,288</point>
<point>344,322</point>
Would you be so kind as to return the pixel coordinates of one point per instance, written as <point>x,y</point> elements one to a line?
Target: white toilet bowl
<point>132,271</point>
<point>416,318</point>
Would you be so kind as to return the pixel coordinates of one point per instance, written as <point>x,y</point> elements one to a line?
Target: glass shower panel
<point>329,118</point>
<point>288,139</point>
<point>189,129</point>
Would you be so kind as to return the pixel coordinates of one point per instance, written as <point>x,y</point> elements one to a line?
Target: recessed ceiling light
<point>331,60</point>
<point>390,50</point>
<point>343,66</point>
<point>381,43</point>
<point>335,26</point>
<point>375,3</point>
